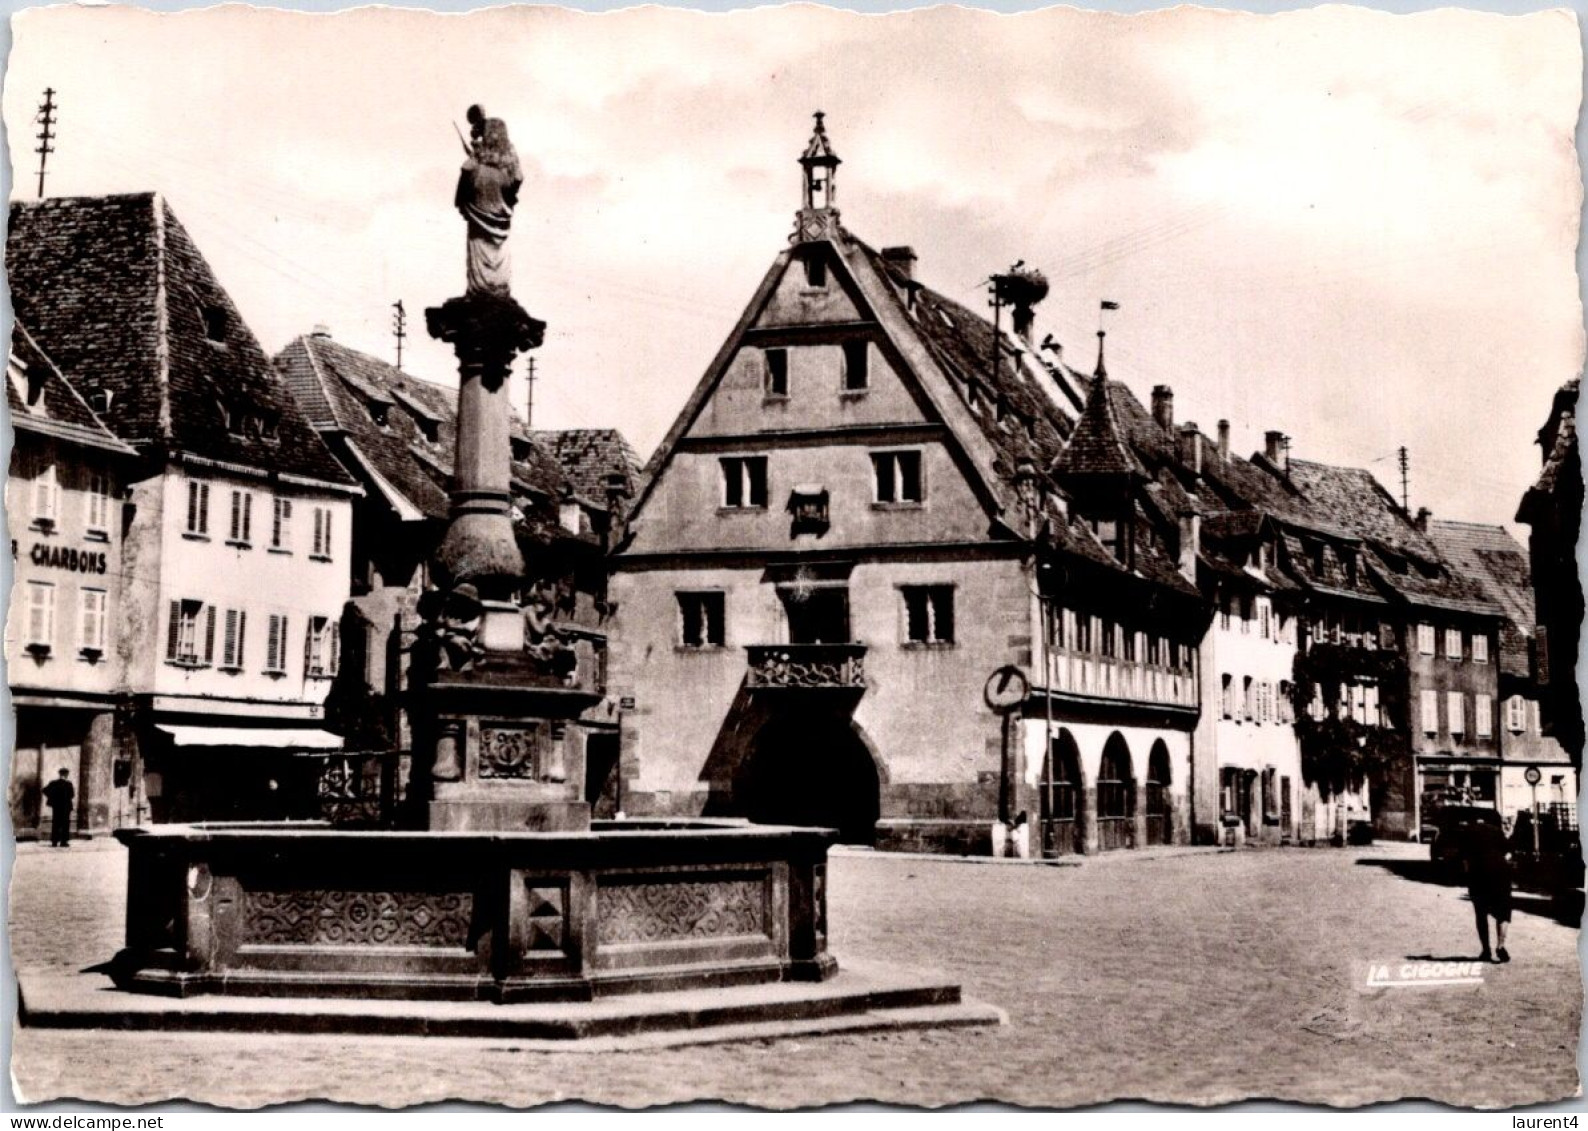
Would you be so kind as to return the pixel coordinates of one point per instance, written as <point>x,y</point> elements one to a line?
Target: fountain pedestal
<point>505,753</point>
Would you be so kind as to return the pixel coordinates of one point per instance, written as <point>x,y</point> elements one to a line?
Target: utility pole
<point>529,397</point>
<point>1405,462</point>
<point>46,119</point>
<point>399,328</point>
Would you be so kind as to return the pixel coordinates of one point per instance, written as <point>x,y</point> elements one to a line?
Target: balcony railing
<point>806,666</point>
<point>1104,677</point>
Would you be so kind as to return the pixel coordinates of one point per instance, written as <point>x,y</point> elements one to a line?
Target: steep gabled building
<point>1489,556</point>
<point>849,532</point>
<point>64,502</point>
<point>235,543</point>
<point>1441,624</point>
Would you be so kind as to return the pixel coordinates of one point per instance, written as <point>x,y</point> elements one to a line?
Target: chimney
<point>321,330</point>
<point>1423,515</point>
<point>1190,542</point>
<point>1023,317</point>
<point>1191,447</point>
<point>1224,441</point>
<point>1102,370</point>
<point>901,259</point>
<point>1274,449</point>
<point>1163,407</point>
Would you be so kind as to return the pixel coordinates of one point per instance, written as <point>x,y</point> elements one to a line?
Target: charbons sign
<point>69,558</point>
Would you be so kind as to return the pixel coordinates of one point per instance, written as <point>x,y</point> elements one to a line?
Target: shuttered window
<point>322,534</point>
<point>1483,708</point>
<point>41,614</point>
<point>91,626</point>
<point>242,517</point>
<point>281,525</point>
<point>190,637</point>
<point>276,645</point>
<point>234,640</point>
<point>46,495</point>
<point>320,647</point>
<point>1456,709</point>
<point>198,507</point>
<point>1430,711</point>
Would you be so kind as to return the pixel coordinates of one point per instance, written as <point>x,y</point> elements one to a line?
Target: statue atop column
<point>487,329</point>
<point>487,193</point>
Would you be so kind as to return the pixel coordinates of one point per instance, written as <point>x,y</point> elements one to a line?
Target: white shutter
<point>1430,711</point>
<point>1456,709</point>
<point>1484,707</point>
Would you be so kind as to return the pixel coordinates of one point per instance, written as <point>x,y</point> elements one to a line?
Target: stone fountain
<point>506,891</point>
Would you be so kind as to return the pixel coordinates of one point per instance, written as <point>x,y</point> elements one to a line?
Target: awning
<point>274,738</point>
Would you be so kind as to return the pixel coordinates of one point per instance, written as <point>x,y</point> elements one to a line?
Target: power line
<point>46,118</point>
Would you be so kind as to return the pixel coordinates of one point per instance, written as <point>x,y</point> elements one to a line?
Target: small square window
<point>928,614</point>
<point>701,620</point>
<point>897,477</point>
<point>815,269</point>
<point>744,482</point>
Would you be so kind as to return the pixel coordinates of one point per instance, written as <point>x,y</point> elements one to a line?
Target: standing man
<point>58,795</point>
<point>1489,883</point>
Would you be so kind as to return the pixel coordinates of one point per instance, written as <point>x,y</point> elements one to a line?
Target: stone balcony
<point>806,667</point>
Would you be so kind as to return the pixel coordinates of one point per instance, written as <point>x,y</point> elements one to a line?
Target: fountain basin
<point>629,906</point>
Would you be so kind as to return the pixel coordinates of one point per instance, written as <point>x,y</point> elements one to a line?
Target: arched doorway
<point>1116,797</point>
<point>812,771</point>
<point>1060,797</point>
<point>1160,827</point>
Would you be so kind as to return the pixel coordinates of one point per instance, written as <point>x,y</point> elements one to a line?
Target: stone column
<point>486,333</point>
<point>1086,817</point>
<point>95,774</point>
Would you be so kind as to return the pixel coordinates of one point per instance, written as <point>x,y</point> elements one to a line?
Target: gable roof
<point>42,400</point>
<point>1405,562</point>
<point>947,352</point>
<point>115,291</point>
<point>343,391</point>
<point>587,456</point>
<point>1498,563</point>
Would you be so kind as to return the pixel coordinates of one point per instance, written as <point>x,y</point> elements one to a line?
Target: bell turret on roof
<point>818,216</point>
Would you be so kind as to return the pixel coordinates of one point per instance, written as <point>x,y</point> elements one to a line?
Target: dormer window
<point>99,400</point>
<point>215,322</point>
<point>379,413</point>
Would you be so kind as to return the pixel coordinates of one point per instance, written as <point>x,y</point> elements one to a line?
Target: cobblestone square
<point>1194,977</point>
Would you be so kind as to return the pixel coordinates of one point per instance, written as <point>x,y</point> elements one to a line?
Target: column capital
<point>486,332</point>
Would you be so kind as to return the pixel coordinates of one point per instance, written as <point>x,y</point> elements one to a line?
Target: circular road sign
<point>1532,776</point>
<point>1006,689</point>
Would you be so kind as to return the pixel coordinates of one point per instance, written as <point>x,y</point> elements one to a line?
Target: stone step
<point>856,1000</point>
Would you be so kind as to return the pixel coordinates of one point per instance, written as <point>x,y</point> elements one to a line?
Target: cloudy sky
<point>1353,227</point>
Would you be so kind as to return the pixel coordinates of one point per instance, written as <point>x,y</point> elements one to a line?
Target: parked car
<point>1444,828</point>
